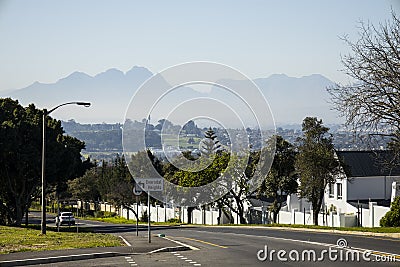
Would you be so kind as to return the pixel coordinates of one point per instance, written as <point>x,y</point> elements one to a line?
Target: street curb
<point>169,249</point>
<point>88,256</point>
<point>371,234</point>
<point>60,259</point>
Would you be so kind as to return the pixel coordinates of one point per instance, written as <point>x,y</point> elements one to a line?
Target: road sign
<point>137,191</point>
<point>151,184</point>
<point>68,201</point>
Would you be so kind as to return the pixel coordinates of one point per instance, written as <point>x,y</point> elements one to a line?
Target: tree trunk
<point>276,207</point>
<point>26,217</point>
<point>128,208</point>
<point>315,215</point>
<point>219,215</point>
<point>274,216</point>
<point>317,206</point>
<point>19,213</point>
<point>189,214</point>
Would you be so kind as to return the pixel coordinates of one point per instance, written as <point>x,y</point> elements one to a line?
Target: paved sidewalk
<point>139,244</point>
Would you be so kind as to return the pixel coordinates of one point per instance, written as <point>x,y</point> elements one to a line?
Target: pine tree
<point>210,144</point>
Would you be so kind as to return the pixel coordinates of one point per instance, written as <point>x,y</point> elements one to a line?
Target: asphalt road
<point>239,246</point>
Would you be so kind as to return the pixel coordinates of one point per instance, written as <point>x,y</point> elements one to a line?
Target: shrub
<point>104,214</point>
<point>174,220</point>
<point>392,217</point>
<point>144,217</point>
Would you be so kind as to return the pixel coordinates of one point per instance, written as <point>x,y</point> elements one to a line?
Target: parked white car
<point>65,218</point>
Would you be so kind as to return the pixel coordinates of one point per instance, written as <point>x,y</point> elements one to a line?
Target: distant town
<point>103,140</point>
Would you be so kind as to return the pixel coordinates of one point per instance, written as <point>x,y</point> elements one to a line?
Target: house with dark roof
<point>362,193</point>
<point>368,178</point>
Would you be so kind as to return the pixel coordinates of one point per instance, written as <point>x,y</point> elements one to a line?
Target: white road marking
<point>182,244</point>
<point>126,242</point>
<point>310,242</point>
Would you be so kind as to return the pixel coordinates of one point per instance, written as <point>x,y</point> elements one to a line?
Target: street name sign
<point>150,184</point>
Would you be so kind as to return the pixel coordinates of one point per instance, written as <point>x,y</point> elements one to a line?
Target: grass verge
<point>122,220</point>
<point>19,239</point>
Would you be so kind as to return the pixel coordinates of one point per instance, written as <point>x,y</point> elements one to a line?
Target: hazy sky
<point>47,40</point>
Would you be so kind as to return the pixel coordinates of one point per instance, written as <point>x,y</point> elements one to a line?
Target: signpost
<point>137,191</point>
<point>148,185</point>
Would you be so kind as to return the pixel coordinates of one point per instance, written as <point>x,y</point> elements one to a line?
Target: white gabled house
<point>367,179</point>
<point>364,191</point>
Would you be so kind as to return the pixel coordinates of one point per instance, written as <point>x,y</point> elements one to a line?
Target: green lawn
<point>126,221</point>
<point>171,140</point>
<point>18,239</point>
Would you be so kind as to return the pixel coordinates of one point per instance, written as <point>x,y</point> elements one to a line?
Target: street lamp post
<point>45,113</point>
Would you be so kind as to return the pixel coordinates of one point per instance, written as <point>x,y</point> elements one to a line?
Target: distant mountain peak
<point>139,70</point>
<point>110,72</point>
<point>76,75</point>
<point>278,75</point>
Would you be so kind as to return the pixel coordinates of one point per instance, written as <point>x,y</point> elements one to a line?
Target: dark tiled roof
<point>368,163</point>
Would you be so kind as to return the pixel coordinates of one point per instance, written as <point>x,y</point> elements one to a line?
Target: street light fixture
<point>45,113</point>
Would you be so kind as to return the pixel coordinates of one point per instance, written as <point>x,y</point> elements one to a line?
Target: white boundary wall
<point>160,214</point>
<point>369,218</point>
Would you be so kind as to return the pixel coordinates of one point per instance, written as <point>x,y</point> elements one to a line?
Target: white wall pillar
<point>371,213</point>
<point>294,216</point>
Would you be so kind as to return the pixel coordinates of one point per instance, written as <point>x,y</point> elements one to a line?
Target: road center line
<point>376,252</point>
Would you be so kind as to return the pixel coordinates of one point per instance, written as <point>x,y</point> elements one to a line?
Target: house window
<point>331,188</point>
<point>339,191</point>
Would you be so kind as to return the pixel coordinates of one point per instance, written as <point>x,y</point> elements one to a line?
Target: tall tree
<point>210,149</point>
<point>372,102</point>
<point>239,189</point>
<point>210,144</point>
<point>20,155</point>
<point>282,177</point>
<point>120,192</point>
<point>316,163</point>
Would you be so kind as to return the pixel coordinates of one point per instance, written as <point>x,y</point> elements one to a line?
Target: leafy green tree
<point>112,181</point>
<point>191,128</point>
<point>187,178</point>
<point>121,185</point>
<point>238,186</point>
<point>316,163</point>
<point>392,217</point>
<point>20,171</point>
<point>86,187</point>
<point>282,177</point>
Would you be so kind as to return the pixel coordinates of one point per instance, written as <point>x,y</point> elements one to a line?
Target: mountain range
<point>291,99</point>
